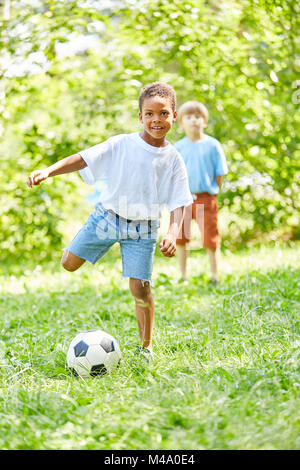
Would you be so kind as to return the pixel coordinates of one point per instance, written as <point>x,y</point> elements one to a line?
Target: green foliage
<point>29,219</point>
<point>228,54</point>
<point>226,373</point>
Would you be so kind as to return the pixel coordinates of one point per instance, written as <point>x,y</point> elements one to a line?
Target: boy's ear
<point>140,117</point>
<point>174,116</point>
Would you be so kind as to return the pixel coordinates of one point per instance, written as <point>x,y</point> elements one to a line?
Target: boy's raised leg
<point>144,306</point>
<point>71,262</point>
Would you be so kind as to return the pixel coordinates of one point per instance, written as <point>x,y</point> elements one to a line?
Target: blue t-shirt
<point>204,160</point>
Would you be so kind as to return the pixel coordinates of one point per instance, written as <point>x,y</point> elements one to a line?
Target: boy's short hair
<point>160,89</point>
<point>191,107</point>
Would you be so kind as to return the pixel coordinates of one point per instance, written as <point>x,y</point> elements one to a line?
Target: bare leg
<point>182,258</point>
<point>71,262</point>
<point>214,262</point>
<point>144,306</point>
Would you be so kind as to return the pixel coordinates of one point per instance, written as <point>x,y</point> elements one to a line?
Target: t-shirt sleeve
<point>220,160</point>
<point>97,159</point>
<point>179,194</point>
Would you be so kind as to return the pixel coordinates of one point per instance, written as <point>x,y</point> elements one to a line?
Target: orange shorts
<point>205,211</point>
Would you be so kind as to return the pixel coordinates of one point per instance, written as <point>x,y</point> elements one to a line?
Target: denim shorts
<point>104,228</point>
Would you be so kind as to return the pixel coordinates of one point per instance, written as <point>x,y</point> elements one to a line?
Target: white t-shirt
<point>141,178</point>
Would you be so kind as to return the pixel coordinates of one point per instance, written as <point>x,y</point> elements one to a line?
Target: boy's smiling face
<point>157,116</point>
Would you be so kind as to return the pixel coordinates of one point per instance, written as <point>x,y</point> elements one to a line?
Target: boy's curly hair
<point>160,89</point>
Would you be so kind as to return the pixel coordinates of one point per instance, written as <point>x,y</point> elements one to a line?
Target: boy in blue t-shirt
<point>206,166</point>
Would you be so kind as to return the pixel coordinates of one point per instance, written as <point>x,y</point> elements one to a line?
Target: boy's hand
<point>36,177</point>
<point>168,246</point>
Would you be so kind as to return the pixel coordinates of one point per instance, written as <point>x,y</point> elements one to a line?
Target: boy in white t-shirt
<point>144,172</point>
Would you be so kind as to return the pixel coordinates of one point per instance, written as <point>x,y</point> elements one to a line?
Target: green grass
<point>226,373</point>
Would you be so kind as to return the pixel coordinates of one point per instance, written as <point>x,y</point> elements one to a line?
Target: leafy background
<point>70,75</point>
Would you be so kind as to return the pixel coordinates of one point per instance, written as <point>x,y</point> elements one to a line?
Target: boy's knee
<point>139,288</point>
<point>67,262</point>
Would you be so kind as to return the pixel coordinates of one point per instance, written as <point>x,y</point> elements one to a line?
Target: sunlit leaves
<point>71,73</point>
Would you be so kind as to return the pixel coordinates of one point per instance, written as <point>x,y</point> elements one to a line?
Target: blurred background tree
<point>70,75</point>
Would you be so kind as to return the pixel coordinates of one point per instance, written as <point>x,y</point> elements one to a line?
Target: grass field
<point>226,374</point>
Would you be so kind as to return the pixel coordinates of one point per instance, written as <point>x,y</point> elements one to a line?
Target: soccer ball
<point>93,353</point>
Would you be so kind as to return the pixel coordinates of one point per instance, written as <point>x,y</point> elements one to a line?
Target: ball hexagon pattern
<point>93,353</point>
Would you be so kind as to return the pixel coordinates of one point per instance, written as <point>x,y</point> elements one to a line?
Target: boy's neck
<point>196,136</point>
<point>152,141</point>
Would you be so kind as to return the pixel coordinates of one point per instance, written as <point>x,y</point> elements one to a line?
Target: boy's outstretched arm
<point>66,165</point>
<point>168,243</point>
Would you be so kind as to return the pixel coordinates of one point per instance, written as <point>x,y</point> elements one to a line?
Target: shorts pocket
<point>149,229</point>
<point>143,229</point>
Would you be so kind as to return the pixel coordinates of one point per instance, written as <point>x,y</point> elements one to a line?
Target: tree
<point>71,74</point>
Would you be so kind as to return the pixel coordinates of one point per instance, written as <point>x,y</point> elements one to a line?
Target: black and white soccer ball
<point>93,353</point>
